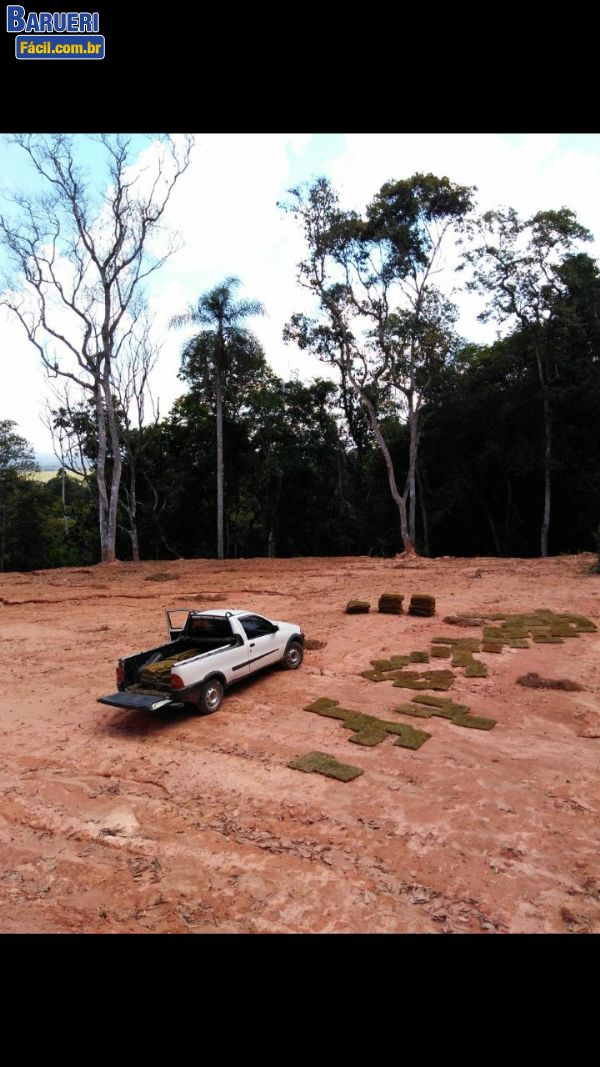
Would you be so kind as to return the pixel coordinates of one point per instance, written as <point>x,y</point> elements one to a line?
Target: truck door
<point>264,640</point>
<point>176,620</point>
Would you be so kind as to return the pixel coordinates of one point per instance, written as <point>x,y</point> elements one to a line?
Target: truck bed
<point>133,666</point>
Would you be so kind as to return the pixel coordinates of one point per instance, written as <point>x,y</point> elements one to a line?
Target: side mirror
<point>274,629</point>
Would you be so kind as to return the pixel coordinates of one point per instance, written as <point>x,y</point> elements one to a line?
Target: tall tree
<point>220,346</point>
<point>415,218</point>
<point>516,264</point>
<point>78,264</point>
<point>16,457</point>
<point>382,321</point>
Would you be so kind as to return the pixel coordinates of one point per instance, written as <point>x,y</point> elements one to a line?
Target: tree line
<point>420,441</point>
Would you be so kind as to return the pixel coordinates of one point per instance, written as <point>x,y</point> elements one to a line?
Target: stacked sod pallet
<point>357,607</point>
<point>390,604</point>
<point>422,605</point>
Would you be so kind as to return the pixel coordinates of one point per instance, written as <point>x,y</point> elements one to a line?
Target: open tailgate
<point>150,702</point>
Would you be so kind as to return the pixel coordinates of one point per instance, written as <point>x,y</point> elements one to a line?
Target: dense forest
<point>419,439</point>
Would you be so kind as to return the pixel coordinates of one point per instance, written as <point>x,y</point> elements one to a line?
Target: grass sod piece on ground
<point>398,662</point>
<point>582,625</point>
<point>535,681</point>
<point>419,657</point>
<point>312,645</point>
<point>466,620</point>
<point>459,714</point>
<point>433,702</point>
<point>368,730</point>
<point>474,722</point>
<point>469,644</point>
<point>381,665</point>
<point>492,646</point>
<point>476,670</point>
<point>357,607</point>
<point>441,680</point>
<point>322,763</point>
<point>441,651</point>
<point>462,657</point>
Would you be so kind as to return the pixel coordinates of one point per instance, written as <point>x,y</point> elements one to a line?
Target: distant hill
<point>47,461</point>
<point>46,476</point>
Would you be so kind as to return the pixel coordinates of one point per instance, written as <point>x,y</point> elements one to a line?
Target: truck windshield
<point>208,626</point>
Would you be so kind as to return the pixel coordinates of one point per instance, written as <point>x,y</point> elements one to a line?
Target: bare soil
<point>117,821</point>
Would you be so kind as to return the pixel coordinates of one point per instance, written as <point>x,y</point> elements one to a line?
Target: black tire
<point>211,697</point>
<point>294,654</point>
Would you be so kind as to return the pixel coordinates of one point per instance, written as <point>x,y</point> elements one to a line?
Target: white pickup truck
<point>207,652</point>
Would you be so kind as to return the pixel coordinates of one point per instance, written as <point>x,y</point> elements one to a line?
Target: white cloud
<point>226,209</point>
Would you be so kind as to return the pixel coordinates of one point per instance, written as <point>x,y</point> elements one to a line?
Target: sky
<point>225,210</point>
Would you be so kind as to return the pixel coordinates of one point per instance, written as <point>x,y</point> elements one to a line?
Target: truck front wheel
<point>294,654</point>
<point>211,697</point>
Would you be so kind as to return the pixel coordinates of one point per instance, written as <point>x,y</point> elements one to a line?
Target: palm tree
<point>222,315</point>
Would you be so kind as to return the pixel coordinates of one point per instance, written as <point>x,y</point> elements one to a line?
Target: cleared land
<point>114,821</point>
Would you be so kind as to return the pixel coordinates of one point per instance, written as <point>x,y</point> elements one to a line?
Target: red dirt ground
<point>113,821</point>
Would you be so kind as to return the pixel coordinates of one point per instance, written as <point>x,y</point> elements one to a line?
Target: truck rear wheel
<point>211,697</point>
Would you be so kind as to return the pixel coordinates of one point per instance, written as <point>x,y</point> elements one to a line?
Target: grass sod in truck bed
<point>368,729</point>
<point>323,763</point>
<point>156,676</point>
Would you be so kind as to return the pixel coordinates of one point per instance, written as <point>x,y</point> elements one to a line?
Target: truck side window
<point>254,626</point>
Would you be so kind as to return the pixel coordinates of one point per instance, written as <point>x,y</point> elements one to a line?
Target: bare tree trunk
<point>424,519</point>
<point>412,465</point>
<point>101,477</point>
<point>3,544</point>
<point>547,473</point>
<point>220,462</point>
<point>507,515</point>
<point>543,377</point>
<point>492,525</point>
<point>116,470</point>
<point>397,496</point>
<point>64,503</point>
<point>135,544</point>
